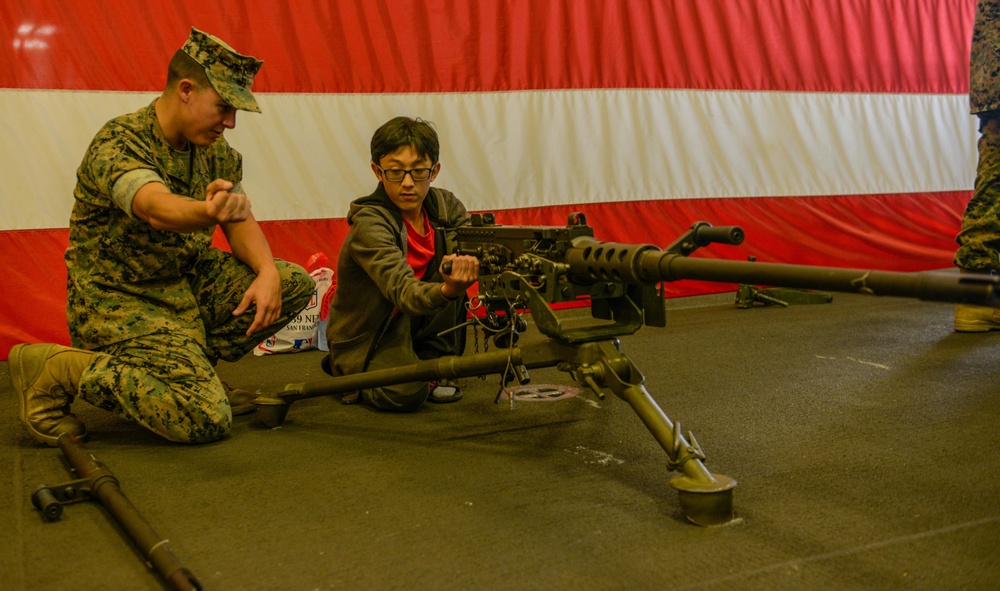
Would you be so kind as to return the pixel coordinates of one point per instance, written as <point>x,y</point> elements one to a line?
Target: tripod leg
<point>706,498</point>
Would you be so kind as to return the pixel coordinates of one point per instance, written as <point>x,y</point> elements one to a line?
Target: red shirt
<point>419,247</point>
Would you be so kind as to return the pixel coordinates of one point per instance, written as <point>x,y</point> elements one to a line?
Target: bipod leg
<point>705,498</point>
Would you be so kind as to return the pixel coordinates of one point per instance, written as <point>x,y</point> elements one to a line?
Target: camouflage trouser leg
<point>166,382</point>
<point>979,240</point>
<point>163,382</point>
<point>219,282</point>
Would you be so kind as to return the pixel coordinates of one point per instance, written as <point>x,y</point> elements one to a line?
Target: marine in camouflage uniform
<point>979,239</point>
<point>154,308</point>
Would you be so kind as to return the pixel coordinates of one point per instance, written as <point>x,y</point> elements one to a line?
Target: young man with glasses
<point>393,299</point>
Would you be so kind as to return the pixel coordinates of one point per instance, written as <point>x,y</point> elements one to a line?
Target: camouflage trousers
<point>979,240</point>
<point>167,382</point>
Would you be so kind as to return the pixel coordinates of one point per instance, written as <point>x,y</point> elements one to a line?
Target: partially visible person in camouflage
<point>151,306</point>
<point>979,240</point>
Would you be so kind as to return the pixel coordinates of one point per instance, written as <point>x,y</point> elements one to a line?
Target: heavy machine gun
<point>530,268</point>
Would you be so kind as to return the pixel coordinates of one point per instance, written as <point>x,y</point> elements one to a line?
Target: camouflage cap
<point>230,73</point>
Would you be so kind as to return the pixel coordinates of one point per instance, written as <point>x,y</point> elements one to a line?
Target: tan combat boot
<point>46,378</point>
<point>972,318</point>
<point>240,400</point>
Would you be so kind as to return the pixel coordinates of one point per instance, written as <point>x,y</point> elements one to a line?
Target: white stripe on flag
<point>306,156</point>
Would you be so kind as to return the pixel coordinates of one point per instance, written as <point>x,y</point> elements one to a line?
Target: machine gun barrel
<point>937,286</point>
<point>592,260</point>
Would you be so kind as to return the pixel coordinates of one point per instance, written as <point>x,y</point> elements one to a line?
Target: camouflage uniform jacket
<point>374,279</point>
<point>984,83</point>
<point>125,278</point>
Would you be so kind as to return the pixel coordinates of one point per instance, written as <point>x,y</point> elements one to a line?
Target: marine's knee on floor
<point>198,420</point>
<point>205,430</point>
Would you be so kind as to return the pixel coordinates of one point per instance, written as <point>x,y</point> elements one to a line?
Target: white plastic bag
<point>325,297</point>
<point>304,331</point>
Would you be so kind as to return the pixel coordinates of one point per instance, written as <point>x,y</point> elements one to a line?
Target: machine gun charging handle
<point>705,234</point>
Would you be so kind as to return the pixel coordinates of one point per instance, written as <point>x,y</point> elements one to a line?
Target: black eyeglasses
<point>396,175</point>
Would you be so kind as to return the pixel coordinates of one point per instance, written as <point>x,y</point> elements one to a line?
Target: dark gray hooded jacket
<point>374,279</point>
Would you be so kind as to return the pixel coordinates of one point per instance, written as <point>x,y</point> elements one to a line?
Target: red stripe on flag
<point>802,230</point>
<point>379,46</point>
<point>33,290</point>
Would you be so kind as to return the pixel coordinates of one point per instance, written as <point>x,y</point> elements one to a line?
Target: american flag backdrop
<point>835,132</point>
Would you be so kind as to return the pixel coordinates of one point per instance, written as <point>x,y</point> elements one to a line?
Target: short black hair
<point>405,131</point>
